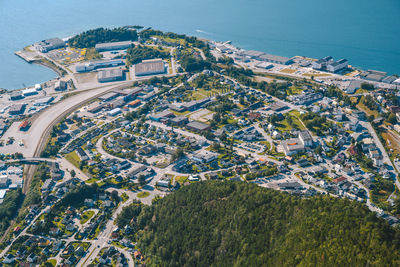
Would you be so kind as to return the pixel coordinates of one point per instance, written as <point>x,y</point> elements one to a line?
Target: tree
<point>114,196</point>
<point>142,180</point>
<point>178,153</point>
<point>367,86</point>
<point>391,118</point>
<point>73,173</point>
<point>318,150</point>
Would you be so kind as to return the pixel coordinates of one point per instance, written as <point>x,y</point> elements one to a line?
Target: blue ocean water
<point>367,33</point>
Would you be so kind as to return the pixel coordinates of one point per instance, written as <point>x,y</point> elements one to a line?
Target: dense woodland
<point>102,35</point>
<point>9,208</point>
<point>138,53</point>
<point>238,224</point>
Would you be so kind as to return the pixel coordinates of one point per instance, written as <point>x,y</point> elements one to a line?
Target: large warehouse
<point>17,109</point>
<point>110,75</point>
<point>50,44</point>
<point>150,67</point>
<point>276,59</point>
<point>89,66</point>
<point>113,46</point>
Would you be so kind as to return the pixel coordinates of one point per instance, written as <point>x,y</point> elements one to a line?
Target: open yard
<point>364,108</point>
<point>73,158</point>
<point>86,216</point>
<point>316,74</point>
<point>290,71</point>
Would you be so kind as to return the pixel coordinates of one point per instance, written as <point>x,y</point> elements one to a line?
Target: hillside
<point>238,224</point>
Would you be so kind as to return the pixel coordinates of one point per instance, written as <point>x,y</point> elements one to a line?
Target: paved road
<point>102,238</point>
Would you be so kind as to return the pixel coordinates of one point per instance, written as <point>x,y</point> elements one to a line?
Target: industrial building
<point>43,101</point>
<point>114,112</point>
<point>60,85</point>
<point>265,65</point>
<point>389,79</point>
<point>353,87</point>
<point>110,75</point>
<point>30,91</point>
<point>17,109</point>
<point>24,126</point>
<point>328,64</point>
<point>321,64</point>
<point>198,126</point>
<point>134,103</point>
<point>162,115</point>
<point>373,75</point>
<point>275,59</point>
<point>16,95</point>
<point>337,66</point>
<point>49,44</point>
<point>109,96</point>
<point>253,54</point>
<point>150,67</point>
<point>113,46</point>
<point>98,64</point>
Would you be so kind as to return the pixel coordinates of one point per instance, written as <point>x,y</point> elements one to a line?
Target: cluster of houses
<point>31,250</point>
<point>105,258</point>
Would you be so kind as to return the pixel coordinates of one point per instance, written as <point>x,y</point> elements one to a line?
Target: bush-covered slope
<point>102,35</point>
<point>238,224</point>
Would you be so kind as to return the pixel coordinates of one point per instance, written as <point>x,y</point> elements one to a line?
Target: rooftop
<point>150,66</point>
<point>106,74</point>
<point>107,45</point>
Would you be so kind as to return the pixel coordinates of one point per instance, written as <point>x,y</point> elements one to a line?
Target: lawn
<point>86,216</point>
<point>316,74</point>
<point>143,194</point>
<point>294,90</point>
<point>85,245</point>
<point>73,158</point>
<point>283,125</point>
<point>364,108</point>
<point>290,71</point>
<point>91,181</point>
<point>53,262</point>
<point>124,197</point>
<point>201,93</point>
<point>181,179</point>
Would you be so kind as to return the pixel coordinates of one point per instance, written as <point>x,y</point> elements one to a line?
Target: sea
<point>367,33</point>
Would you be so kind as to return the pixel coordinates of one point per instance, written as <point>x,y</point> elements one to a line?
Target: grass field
<point>293,90</point>
<point>290,71</point>
<point>86,216</point>
<point>53,262</point>
<point>316,74</point>
<point>181,179</point>
<point>369,112</point>
<point>73,158</point>
<point>143,194</point>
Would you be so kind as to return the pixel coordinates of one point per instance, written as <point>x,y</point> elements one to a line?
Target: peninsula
<point>91,160</point>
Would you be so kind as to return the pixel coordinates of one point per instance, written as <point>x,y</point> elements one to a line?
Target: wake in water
<point>203,32</point>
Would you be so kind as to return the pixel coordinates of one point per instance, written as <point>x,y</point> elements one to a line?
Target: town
<point>132,118</point>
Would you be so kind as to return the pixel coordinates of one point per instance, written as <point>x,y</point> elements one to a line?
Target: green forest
<point>238,224</point>
<point>102,35</point>
<point>138,53</point>
<point>9,208</point>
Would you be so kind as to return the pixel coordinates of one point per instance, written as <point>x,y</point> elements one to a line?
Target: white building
<point>306,138</point>
<point>150,67</point>
<point>337,66</point>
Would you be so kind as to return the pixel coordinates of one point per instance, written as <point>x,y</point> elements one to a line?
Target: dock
<point>28,56</point>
